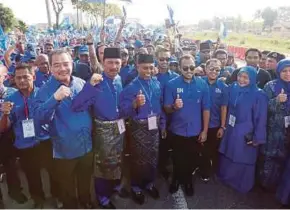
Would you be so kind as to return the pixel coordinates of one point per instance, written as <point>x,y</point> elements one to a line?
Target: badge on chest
<point>28,128</point>
<point>152,122</point>
<point>232,120</point>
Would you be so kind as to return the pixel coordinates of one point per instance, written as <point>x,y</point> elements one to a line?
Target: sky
<point>155,11</point>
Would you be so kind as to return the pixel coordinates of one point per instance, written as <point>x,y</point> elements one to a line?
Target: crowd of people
<point>118,116</point>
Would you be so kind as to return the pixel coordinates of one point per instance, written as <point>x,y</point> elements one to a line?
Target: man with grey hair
<point>70,131</point>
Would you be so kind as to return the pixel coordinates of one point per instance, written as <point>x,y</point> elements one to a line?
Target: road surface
<point>212,195</point>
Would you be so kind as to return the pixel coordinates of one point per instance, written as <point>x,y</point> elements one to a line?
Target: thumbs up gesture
<point>178,104</point>
<point>282,97</point>
<point>140,99</point>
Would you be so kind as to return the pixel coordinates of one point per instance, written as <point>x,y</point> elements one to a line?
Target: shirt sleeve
<point>43,106</point>
<point>85,98</point>
<point>168,95</point>
<point>126,102</point>
<point>225,96</point>
<point>205,97</point>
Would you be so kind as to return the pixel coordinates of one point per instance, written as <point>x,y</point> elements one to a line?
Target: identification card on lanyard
<point>287,121</point>
<point>152,122</point>
<point>28,124</point>
<point>232,120</point>
<point>28,128</point>
<point>121,126</point>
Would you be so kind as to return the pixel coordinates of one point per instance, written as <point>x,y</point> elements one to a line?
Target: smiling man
<point>70,131</point>
<point>253,57</point>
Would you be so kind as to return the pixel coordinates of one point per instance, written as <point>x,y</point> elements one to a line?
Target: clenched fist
<point>62,93</point>
<point>96,79</point>
<point>178,104</point>
<point>6,107</point>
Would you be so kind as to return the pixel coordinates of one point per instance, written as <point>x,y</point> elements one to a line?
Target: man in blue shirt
<point>109,126</point>
<point>142,102</point>
<point>7,151</point>
<point>32,140</point>
<point>43,74</point>
<point>222,56</point>
<point>164,76</point>
<point>70,131</point>
<point>187,99</point>
<point>126,68</point>
<point>218,112</point>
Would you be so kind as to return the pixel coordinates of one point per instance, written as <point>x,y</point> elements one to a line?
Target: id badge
<point>28,128</point>
<point>152,122</point>
<point>232,120</point>
<point>287,121</point>
<point>121,126</point>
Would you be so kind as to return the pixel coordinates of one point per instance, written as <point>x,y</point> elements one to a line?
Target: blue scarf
<point>281,83</point>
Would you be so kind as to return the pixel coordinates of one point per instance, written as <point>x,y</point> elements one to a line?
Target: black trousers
<point>8,156</point>
<point>209,153</point>
<point>72,175</point>
<point>165,145</point>
<point>185,157</point>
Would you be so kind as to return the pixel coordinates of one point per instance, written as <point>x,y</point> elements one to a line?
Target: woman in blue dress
<point>245,131</point>
<point>276,150</point>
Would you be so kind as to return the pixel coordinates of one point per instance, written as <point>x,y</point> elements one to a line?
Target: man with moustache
<point>109,127</point>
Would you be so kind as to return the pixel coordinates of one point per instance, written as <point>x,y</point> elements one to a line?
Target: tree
<point>269,16</point>
<point>22,26</point>
<point>284,14</point>
<point>7,19</point>
<point>96,10</point>
<point>57,6</point>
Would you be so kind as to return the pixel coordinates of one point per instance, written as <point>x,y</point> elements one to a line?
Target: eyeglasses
<point>186,68</point>
<point>164,59</point>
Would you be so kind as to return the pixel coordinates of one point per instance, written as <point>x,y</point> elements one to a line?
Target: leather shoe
<point>153,192</point>
<point>174,186</point>
<point>123,193</point>
<point>189,190</point>
<point>138,197</point>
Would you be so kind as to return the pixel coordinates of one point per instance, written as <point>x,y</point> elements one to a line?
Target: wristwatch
<point>90,43</point>
<point>224,128</point>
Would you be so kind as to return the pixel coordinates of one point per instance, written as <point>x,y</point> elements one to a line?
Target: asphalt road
<point>212,195</point>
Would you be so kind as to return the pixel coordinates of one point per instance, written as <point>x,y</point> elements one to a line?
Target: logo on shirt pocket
<point>217,90</point>
<point>179,90</point>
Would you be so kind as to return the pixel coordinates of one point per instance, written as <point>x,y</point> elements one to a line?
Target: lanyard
<point>116,99</point>
<point>149,97</point>
<point>26,110</point>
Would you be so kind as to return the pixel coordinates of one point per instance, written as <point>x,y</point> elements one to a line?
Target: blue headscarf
<point>281,83</point>
<point>238,91</point>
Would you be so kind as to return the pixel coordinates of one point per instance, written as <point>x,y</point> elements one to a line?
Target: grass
<point>272,43</point>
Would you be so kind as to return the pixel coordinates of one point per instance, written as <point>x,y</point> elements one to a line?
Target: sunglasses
<point>164,59</point>
<point>187,68</point>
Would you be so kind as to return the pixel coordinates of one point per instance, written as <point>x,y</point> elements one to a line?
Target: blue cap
<point>84,50</point>
<point>28,56</point>
<point>138,44</point>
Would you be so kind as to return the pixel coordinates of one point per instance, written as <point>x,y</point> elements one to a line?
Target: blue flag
<point>1,31</point>
<point>171,14</point>
<point>223,31</point>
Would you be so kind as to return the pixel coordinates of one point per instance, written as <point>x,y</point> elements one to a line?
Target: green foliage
<point>22,26</point>
<point>97,9</point>
<point>7,18</point>
<point>269,16</point>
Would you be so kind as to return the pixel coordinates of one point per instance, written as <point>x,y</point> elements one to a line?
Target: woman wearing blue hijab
<point>276,150</point>
<point>245,131</point>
